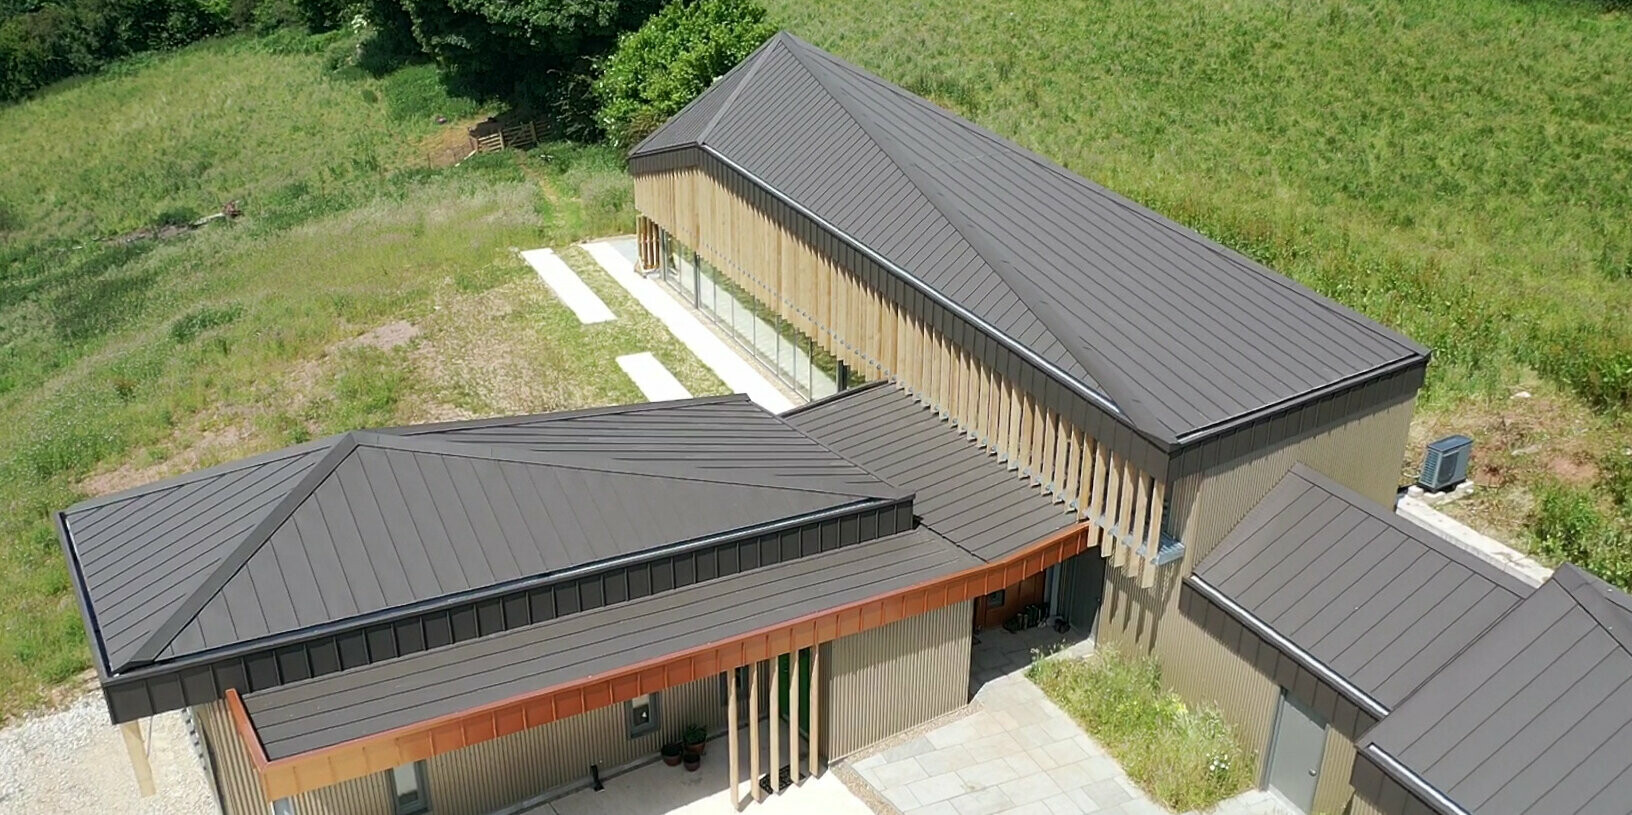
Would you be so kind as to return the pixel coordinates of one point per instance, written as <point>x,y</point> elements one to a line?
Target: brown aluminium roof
<point>1178,335</point>
<point>1374,599</point>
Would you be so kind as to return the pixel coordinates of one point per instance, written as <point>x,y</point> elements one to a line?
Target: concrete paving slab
<point>655,381</point>
<point>568,286</point>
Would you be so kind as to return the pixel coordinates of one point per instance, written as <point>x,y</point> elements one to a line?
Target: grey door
<point>1082,584</point>
<point>1296,752</point>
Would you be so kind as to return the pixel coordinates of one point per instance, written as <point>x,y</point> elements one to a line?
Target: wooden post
<point>132,731</point>
<point>793,718</point>
<point>753,733</point>
<point>733,742</point>
<point>815,748</point>
<point>776,724</point>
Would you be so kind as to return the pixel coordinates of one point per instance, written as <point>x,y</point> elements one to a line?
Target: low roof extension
<point>1178,335</point>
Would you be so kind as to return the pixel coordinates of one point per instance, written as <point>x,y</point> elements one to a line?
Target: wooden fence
<point>518,136</point>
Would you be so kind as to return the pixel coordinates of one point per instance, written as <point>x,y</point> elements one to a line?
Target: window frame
<point>415,807</point>
<point>654,715</point>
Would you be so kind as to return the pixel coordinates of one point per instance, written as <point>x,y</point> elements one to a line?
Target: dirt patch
<point>448,146</point>
<point>384,338</point>
<point>1572,470</point>
<point>203,448</point>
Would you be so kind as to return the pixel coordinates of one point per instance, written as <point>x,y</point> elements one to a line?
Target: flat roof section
<point>1535,718</point>
<point>1377,600</point>
<point>323,712</point>
<point>960,490</point>
<point>1182,335</point>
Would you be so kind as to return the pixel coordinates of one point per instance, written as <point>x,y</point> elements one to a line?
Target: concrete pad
<point>654,380</point>
<point>568,287</point>
<point>737,373</point>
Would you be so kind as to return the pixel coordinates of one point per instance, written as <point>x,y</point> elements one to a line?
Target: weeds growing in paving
<point>1184,756</point>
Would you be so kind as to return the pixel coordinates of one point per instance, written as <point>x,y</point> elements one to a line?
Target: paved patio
<point>1016,752</point>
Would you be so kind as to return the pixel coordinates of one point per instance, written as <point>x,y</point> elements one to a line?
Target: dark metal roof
<point>960,491</point>
<point>1180,334</point>
<point>329,710</point>
<point>1377,600</point>
<point>370,521</point>
<point>1535,718</point>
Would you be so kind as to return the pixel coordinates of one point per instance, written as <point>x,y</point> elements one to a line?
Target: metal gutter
<point>1202,434</point>
<point>495,591</point>
<point>1373,707</point>
<point>1412,782</point>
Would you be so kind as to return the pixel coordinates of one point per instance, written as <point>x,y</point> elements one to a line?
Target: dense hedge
<point>42,43</point>
<point>674,56</point>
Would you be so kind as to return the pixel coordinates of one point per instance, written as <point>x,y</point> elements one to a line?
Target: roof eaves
<point>1414,783</point>
<point>82,594</point>
<point>167,631</point>
<point>1206,432</point>
<point>1286,646</point>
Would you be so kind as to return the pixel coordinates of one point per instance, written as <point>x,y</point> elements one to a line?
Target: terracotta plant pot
<point>672,753</point>
<point>693,761</point>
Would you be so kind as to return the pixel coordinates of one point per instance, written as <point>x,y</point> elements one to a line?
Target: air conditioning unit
<point>1446,463</point>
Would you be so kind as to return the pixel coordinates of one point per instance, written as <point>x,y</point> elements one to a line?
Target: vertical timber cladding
<point>881,682</point>
<point>877,323</point>
<point>1333,792</point>
<point>240,785</point>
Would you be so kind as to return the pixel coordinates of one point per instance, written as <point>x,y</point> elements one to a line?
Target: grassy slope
<point>344,231</point>
<point>1460,170</point>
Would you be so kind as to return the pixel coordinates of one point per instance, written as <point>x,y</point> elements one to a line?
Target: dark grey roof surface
<point>1179,332</point>
<point>329,710</point>
<point>960,490</point>
<point>369,521</point>
<point>1535,718</point>
<point>1379,601</point>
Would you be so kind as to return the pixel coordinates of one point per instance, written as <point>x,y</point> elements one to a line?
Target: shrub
<point>202,319</point>
<point>1569,525</point>
<point>1187,757</point>
<point>677,54</point>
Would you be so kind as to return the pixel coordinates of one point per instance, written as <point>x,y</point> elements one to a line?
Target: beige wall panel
<point>241,788</point>
<point>487,776</point>
<point>1333,792</point>
<point>484,777</point>
<point>883,681</point>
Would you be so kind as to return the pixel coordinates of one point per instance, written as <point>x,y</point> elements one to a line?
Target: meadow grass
<point>1187,757</point>
<point>1459,170</point>
<point>123,363</point>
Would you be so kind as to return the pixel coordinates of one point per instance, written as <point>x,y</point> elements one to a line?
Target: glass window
<point>642,714</point>
<point>283,806</point>
<point>408,788</point>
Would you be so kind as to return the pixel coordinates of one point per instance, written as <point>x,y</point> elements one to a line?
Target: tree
<point>660,67</point>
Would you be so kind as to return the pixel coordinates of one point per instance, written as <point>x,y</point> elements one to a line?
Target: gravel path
<point>73,760</point>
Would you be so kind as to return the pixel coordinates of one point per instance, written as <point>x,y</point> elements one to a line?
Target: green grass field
<point>361,287</point>
<point>1460,170</point>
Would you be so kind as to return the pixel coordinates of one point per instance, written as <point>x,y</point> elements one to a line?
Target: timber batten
<point>874,321</point>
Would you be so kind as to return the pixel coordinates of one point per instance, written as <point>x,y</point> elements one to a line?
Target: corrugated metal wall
<point>497,773</point>
<point>484,777</point>
<point>241,788</point>
<point>883,681</point>
<point>1333,793</point>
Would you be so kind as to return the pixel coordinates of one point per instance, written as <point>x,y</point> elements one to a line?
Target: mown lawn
<point>362,286</point>
<point>1460,170</point>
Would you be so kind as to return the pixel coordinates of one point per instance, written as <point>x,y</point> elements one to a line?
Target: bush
<point>676,55</point>
<point>57,41</point>
<point>202,319</point>
<point>1569,525</point>
<point>1186,757</point>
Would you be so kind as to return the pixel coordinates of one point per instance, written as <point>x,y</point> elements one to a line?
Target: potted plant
<point>671,753</point>
<point>693,761</point>
<point>696,738</point>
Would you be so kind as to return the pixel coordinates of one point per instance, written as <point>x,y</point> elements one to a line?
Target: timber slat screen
<point>878,334</point>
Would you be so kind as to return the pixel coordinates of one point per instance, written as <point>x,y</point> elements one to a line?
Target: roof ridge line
<point>1583,588</point>
<point>578,461</point>
<point>552,416</point>
<point>754,60</point>
<point>988,251</point>
<point>234,561</point>
<point>183,479</point>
